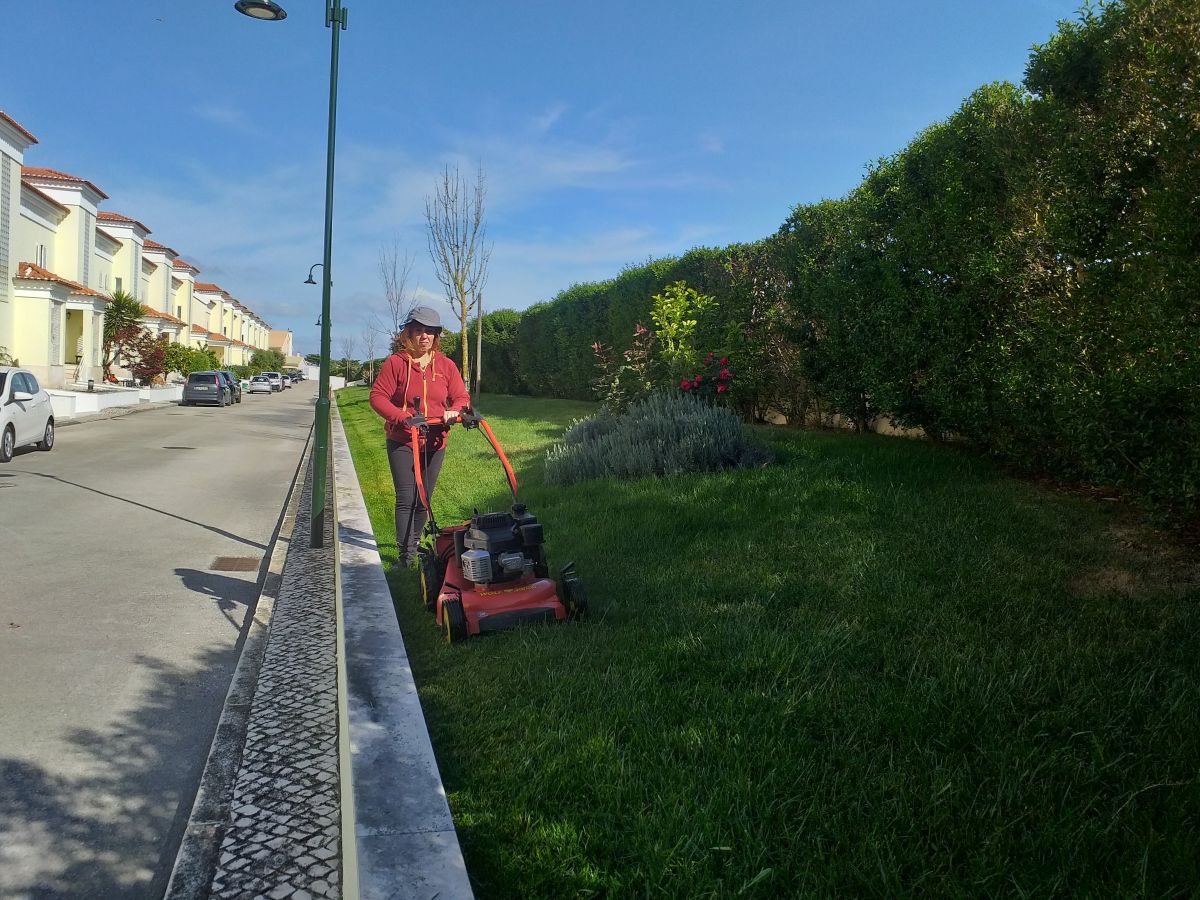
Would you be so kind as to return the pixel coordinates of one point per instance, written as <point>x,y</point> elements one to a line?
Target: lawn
<point>877,668</point>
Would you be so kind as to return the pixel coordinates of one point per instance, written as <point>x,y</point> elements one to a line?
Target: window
<point>31,382</point>
<point>179,312</point>
<point>117,282</point>
<point>40,256</point>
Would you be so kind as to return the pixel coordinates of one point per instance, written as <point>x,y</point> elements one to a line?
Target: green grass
<point>878,668</point>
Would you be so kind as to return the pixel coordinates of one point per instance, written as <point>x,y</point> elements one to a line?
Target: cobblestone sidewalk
<point>284,835</point>
<point>270,794</point>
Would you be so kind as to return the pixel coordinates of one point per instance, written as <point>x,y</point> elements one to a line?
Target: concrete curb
<point>115,412</point>
<point>404,837</point>
<point>196,861</point>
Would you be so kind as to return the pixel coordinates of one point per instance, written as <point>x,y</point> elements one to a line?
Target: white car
<point>26,416</point>
<point>276,380</point>
<point>260,384</point>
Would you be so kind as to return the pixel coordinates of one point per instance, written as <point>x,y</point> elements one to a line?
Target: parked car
<point>26,416</point>
<point>276,380</point>
<point>206,387</point>
<point>235,387</point>
<point>260,384</point>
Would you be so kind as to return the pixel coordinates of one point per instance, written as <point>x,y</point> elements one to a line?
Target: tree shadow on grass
<point>107,822</point>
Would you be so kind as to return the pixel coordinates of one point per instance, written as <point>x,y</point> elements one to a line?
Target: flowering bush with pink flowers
<point>620,383</point>
<point>713,382</point>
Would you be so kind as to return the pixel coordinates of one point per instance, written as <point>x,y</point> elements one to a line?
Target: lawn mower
<point>489,573</point>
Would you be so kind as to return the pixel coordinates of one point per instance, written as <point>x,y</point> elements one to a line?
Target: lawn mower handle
<point>470,419</point>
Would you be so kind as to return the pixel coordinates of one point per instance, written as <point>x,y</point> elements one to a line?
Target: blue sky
<point>609,132</point>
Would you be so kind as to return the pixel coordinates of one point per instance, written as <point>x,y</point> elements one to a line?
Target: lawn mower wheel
<point>456,621</point>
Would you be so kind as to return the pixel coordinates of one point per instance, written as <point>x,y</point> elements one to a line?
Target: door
<point>39,408</point>
<point>22,409</point>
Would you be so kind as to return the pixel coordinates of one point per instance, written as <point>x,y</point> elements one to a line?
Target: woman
<point>416,378</point>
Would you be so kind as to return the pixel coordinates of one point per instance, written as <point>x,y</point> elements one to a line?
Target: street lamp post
<point>335,18</point>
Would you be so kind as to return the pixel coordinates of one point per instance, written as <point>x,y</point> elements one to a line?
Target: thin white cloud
<point>545,121</point>
<point>710,142</point>
<point>227,117</point>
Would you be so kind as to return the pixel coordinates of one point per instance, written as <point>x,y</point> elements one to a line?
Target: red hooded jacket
<point>403,389</point>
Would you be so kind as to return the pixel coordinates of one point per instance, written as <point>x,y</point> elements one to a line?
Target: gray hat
<point>423,315</point>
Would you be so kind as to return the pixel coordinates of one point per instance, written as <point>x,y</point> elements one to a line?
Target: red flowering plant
<point>620,383</point>
<point>714,380</point>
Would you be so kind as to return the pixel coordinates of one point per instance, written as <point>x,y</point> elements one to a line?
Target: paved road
<point>117,636</point>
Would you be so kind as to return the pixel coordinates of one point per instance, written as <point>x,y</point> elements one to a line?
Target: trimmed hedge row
<point>1025,275</point>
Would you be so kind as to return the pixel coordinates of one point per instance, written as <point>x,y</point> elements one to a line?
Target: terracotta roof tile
<point>17,125</point>
<point>155,245</point>
<point>212,336</point>
<point>28,271</point>
<point>107,216</point>
<point>209,287</point>
<point>184,264</point>
<point>55,175</point>
<point>150,313</point>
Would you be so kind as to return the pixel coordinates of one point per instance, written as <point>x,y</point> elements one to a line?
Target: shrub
<point>661,435</point>
<point>712,382</point>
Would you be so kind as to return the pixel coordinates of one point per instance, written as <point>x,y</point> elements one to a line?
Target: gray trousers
<point>410,514</point>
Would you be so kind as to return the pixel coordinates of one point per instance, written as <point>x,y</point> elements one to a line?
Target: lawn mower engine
<point>499,547</point>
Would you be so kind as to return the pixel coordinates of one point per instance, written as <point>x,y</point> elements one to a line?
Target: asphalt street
<point>120,624</point>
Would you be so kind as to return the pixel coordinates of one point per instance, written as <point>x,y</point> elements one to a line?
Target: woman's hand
<point>451,416</point>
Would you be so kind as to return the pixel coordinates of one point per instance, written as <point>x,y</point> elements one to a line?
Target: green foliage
<point>676,313</point>
<point>1021,276</point>
<point>185,360</point>
<point>267,361</point>
<point>629,379</point>
<point>6,358</point>
<point>122,325</point>
<point>664,434</point>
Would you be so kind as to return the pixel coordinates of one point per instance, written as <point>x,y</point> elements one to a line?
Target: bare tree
<point>457,242</point>
<point>347,355</point>
<point>394,271</point>
<point>370,339</point>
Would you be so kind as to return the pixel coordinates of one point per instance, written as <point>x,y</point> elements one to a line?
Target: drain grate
<point>179,448</point>
<point>234,564</point>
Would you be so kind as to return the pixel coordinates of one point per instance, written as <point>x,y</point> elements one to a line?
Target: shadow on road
<point>214,529</point>
<point>233,596</point>
<point>111,826</point>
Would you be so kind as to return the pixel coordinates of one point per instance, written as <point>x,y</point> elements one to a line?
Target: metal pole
<point>478,342</point>
<point>335,18</point>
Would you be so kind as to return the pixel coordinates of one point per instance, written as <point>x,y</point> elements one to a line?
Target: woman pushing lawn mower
<point>487,574</point>
<point>417,380</point>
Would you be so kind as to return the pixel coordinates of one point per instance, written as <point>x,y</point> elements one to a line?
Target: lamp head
<point>268,10</point>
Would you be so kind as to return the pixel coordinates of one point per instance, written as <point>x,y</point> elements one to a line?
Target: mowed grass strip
<point>877,668</point>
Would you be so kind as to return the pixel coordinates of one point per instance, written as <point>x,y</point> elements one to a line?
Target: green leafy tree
<point>122,322</point>
<point>267,361</point>
<point>676,313</point>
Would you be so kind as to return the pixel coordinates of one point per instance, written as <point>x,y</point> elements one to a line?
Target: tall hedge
<point>1024,275</point>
